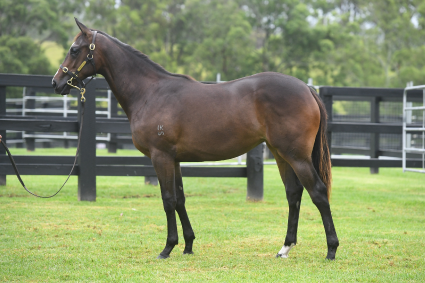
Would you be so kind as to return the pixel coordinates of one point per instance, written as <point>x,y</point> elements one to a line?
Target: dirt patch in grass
<point>12,195</point>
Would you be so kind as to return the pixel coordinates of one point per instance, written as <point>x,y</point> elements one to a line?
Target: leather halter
<point>74,75</point>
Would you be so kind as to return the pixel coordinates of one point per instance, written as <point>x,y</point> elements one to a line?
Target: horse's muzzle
<point>60,89</point>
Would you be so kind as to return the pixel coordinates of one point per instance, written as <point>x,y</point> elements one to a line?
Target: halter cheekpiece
<point>74,75</point>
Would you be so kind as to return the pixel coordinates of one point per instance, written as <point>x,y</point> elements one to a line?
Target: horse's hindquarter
<point>289,111</point>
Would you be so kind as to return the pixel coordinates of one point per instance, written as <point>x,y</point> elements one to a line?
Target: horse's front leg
<point>188,234</point>
<point>165,169</point>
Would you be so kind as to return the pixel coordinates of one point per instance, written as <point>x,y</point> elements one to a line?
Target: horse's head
<point>79,63</point>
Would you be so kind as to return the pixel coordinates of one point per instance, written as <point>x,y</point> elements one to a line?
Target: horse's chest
<point>140,135</point>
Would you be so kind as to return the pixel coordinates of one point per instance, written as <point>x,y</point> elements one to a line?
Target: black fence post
<point>87,157</point>
<point>3,132</point>
<point>29,104</point>
<point>151,180</point>
<point>255,172</point>
<point>374,137</point>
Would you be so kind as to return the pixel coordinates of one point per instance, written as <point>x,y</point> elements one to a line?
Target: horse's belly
<point>212,143</point>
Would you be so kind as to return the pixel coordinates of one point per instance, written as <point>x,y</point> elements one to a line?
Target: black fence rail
<point>375,126</point>
<point>88,164</point>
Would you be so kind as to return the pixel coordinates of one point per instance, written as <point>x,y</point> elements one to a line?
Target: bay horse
<point>175,118</point>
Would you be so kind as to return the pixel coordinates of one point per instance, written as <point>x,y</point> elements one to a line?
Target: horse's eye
<point>74,51</point>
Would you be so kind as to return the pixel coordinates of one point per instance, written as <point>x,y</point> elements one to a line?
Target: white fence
<point>64,110</point>
<point>408,129</point>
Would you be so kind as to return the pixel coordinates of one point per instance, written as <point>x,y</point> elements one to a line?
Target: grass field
<point>380,221</point>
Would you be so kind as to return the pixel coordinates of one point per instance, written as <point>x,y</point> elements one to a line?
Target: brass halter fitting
<point>74,75</point>
<point>82,92</point>
<point>81,89</point>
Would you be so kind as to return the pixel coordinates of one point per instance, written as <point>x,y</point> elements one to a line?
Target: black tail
<point>321,154</point>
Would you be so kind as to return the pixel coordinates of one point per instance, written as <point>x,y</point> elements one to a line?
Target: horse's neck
<point>129,77</point>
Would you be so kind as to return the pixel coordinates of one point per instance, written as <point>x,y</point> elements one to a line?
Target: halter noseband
<point>74,75</point>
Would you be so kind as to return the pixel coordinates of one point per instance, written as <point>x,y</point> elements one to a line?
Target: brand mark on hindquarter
<point>160,130</point>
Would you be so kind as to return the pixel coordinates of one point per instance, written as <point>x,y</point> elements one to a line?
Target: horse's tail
<point>321,154</point>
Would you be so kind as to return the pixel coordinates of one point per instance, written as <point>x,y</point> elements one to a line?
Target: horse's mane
<point>140,55</point>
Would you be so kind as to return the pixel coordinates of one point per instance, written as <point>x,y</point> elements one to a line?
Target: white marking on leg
<point>283,253</point>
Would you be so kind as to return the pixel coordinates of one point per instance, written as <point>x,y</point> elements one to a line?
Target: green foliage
<point>25,25</point>
<point>338,42</point>
<point>22,55</point>
<point>224,48</point>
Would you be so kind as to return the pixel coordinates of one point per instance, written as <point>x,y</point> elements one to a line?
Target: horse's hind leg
<point>317,190</point>
<point>294,191</point>
<point>188,234</point>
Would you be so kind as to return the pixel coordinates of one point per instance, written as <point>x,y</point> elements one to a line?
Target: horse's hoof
<point>284,251</point>
<point>331,254</point>
<point>187,253</point>
<point>163,256</point>
<point>281,256</point>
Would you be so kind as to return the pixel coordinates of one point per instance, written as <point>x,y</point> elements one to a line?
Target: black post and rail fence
<point>89,166</point>
<point>374,127</point>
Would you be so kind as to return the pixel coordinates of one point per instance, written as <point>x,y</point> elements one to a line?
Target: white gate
<point>409,128</point>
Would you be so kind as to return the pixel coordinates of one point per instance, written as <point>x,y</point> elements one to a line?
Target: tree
<point>151,26</point>
<point>200,38</point>
<point>22,55</point>
<point>336,42</point>
<point>25,24</point>
<point>219,40</point>
<point>375,42</point>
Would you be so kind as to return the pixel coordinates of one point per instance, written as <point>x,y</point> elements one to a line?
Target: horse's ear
<point>85,30</point>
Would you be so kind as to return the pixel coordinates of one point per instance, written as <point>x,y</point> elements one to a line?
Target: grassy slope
<point>380,221</point>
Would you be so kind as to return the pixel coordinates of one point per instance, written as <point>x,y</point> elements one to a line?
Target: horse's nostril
<point>53,83</point>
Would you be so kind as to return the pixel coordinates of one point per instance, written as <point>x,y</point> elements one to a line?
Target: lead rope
<point>73,166</point>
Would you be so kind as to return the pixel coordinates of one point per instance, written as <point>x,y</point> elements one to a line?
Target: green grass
<point>380,222</point>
